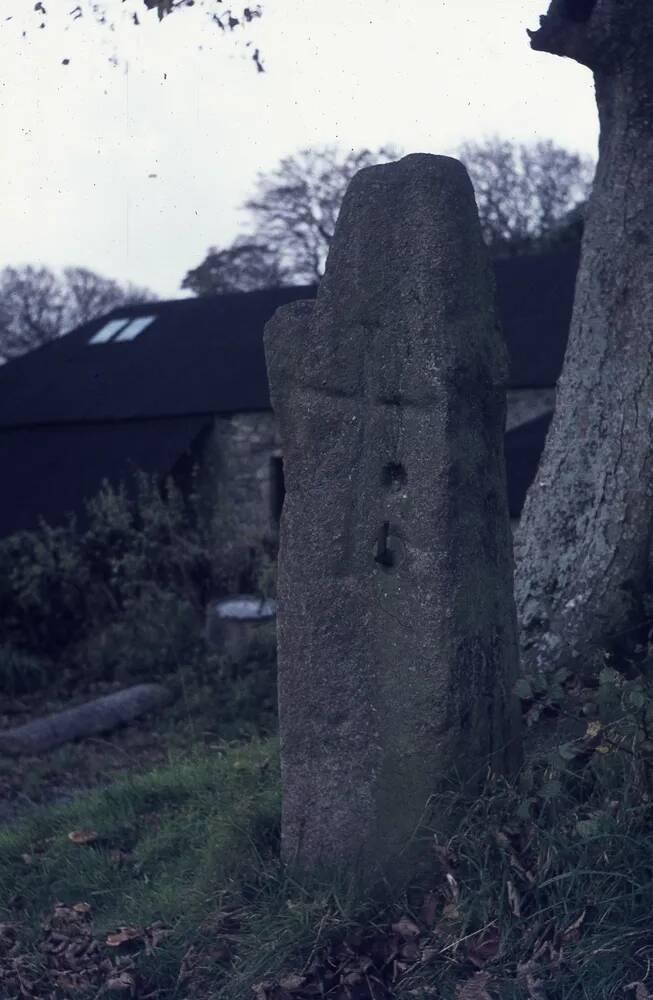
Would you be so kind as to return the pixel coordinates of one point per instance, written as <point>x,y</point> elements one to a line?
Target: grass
<point>540,889</point>
<point>186,857</point>
<point>169,848</point>
<point>171,885</point>
<point>218,704</point>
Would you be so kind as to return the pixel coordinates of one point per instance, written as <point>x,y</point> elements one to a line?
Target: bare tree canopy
<point>243,267</point>
<point>226,16</point>
<point>523,193</point>
<point>37,305</point>
<point>295,206</point>
<point>292,217</point>
<point>109,13</point>
<point>584,550</point>
<point>524,190</point>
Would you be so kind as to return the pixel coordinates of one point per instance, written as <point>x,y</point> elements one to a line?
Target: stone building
<point>168,387</point>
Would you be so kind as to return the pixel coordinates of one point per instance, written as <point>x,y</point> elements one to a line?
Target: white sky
<point>78,143</point>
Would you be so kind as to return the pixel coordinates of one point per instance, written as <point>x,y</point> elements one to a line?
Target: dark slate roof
<point>73,414</point>
<point>535,295</point>
<point>206,355</point>
<point>523,446</point>
<point>50,472</point>
<point>199,356</point>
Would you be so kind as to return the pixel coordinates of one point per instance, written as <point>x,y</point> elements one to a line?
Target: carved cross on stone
<point>396,624</point>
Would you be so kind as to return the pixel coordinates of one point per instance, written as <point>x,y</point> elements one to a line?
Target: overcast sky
<point>135,169</point>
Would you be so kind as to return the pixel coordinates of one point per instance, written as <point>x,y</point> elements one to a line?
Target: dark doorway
<point>277,488</point>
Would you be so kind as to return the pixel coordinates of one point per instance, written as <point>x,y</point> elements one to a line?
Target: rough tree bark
<point>98,716</point>
<point>583,548</point>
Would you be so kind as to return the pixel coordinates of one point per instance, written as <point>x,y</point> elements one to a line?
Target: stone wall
<point>527,404</point>
<point>239,465</point>
<point>240,454</point>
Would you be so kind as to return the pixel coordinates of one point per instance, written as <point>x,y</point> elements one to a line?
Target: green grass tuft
<point>542,888</point>
<point>171,846</point>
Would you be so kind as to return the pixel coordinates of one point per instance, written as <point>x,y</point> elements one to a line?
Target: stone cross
<point>396,629</point>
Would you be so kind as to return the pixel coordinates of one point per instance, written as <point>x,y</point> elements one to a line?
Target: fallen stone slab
<point>98,716</point>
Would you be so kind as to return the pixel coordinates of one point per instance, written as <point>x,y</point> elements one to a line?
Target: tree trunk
<point>98,716</point>
<point>583,546</point>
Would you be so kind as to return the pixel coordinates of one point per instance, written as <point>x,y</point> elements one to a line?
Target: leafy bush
<point>44,590</point>
<point>20,671</point>
<point>603,757</point>
<point>125,597</point>
<point>156,633</point>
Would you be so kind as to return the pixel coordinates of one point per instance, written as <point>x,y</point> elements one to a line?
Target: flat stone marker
<point>396,623</point>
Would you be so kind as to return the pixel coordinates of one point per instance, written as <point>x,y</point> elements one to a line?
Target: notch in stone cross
<point>383,554</point>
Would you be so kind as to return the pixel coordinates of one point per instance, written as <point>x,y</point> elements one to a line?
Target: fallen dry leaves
<point>124,935</point>
<point>641,991</point>
<point>149,937</point>
<point>71,959</point>
<point>83,837</point>
<point>475,988</point>
<point>369,964</point>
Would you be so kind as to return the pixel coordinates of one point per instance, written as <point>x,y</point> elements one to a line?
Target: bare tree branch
<point>524,190</point>
<point>293,214</point>
<point>36,305</point>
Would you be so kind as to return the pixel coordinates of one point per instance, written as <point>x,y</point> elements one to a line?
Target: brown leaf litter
<point>70,958</point>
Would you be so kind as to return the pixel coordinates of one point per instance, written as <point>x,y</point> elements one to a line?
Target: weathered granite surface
<point>396,622</point>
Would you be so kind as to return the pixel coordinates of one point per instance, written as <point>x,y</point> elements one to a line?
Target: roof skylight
<point>125,328</point>
<point>107,331</point>
<point>136,326</point>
